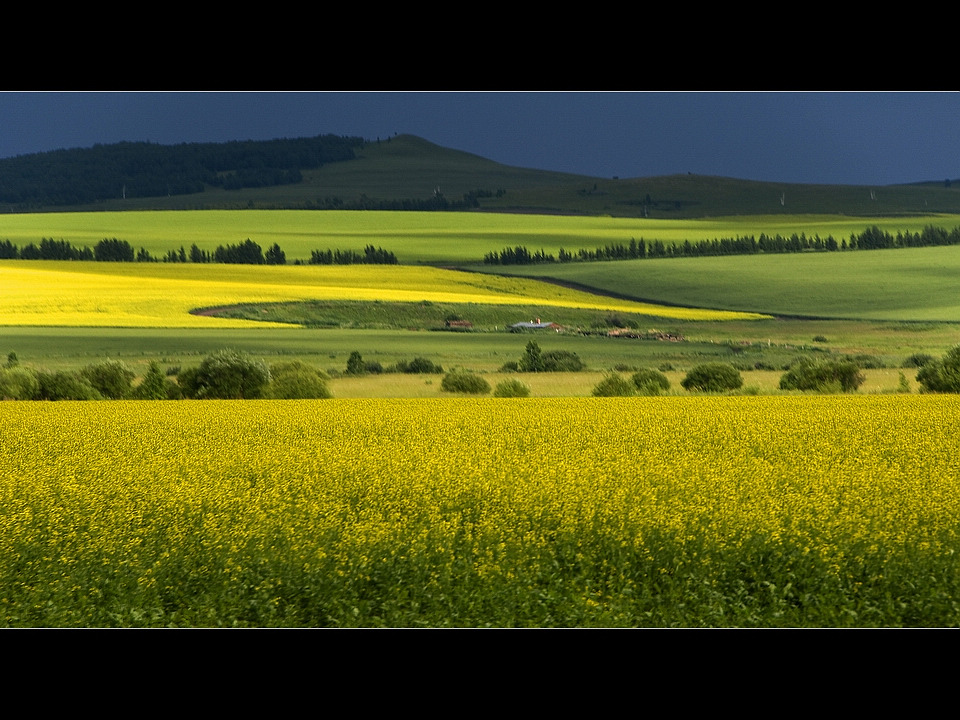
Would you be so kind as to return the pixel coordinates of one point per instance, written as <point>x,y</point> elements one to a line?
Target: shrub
<point>460,381</point>
<point>18,383</point>
<point>511,388</point>
<point>532,360</point>
<point>917,360</point>
<point>941,376</point>
<point>713,377</point>
<point>614,385</point>
<point>355,364</point>
<point>418,365</point>
<point>650,382</point>
<point>828,376</point>
<point>111,378</point>
<point>65,385</point>
<point>297,380</point>
<point>562,361</point>
<point>154,384</point>
<point>225,375</point>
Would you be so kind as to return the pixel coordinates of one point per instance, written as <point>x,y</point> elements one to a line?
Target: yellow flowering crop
<point>163,295</point>
<point>340,511</point>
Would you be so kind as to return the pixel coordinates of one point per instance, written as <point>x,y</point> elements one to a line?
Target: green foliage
<point>532,360</point>
<point>650,382</point>
<point>111,378</point>
<point>713,377</point>
<point>297,380</point>
<point>355,364</point>
<point>154,385</point>
<point>130,170</point>
<point>113,250</point>
<point>460,381</point>
<point>941,376</point>
<point>535,360</point>
<point>512,388</point>
<point>562,361</point>
<point>275,256</point>
<point>917,360</point>
<point>614,385</point>
<point>245,253</point>
<point>226,374</point>
<point>826,376</point>
<point>418,366</point>
<point>65,385</point>
<point>18,383</point>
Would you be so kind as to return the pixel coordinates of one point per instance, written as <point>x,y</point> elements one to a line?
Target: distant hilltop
<point>405,172</point>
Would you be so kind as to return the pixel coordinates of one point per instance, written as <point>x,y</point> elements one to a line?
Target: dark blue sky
<point>861,138</point>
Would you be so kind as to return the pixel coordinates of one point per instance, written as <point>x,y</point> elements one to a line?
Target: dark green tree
<point>297,380</point>
<point>826,376</point>
<point>943,375</point>
<point>355,364</point>
<point>153,386</point>
<point>226,374</point>
<point>713,377</point>
<point>275,256</point>
<point>111,378</point>
<point>65,385</point>
<point>614,385</point>
<point>532,360</point>
<point>113,250</point>
<point>461,381</point>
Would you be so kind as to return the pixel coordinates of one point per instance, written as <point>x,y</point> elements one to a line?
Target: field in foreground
<point>690,512</point>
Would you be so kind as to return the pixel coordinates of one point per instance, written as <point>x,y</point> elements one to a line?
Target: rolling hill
<point>409,173</point>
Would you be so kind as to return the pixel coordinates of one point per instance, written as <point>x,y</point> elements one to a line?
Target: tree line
<point>245,253</point>
<point>872,238</point>
<point>226,374</point>
<point>436,202</point>
<point>140,169</point>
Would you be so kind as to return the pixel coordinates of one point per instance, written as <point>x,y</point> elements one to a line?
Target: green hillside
<point>408,173</point>
<point>909,284</point>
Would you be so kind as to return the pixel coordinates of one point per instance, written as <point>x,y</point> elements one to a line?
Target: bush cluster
<point>223,375</point>
<point>535,360</point>
<point>461,381</point>
<point>643,382</point>
<point>511,389</point>
<point>713,377</point>
<point>825,376</point>
<point>943,375</point>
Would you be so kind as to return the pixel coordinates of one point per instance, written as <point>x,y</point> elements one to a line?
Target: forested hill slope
<point>408,173</point>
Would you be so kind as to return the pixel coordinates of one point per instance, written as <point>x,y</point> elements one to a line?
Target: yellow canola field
<point>345,484</point>
<point>91,294</point>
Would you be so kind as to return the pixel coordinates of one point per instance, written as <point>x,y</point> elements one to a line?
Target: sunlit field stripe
<point>163,295</point>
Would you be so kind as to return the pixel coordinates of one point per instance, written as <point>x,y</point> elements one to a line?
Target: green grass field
<point>887,304</point>
<point>416,237</point>
<point>913,284</point>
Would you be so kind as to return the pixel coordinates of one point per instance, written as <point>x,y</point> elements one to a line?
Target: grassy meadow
<point>417,237</point>
<point>396,504</point>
